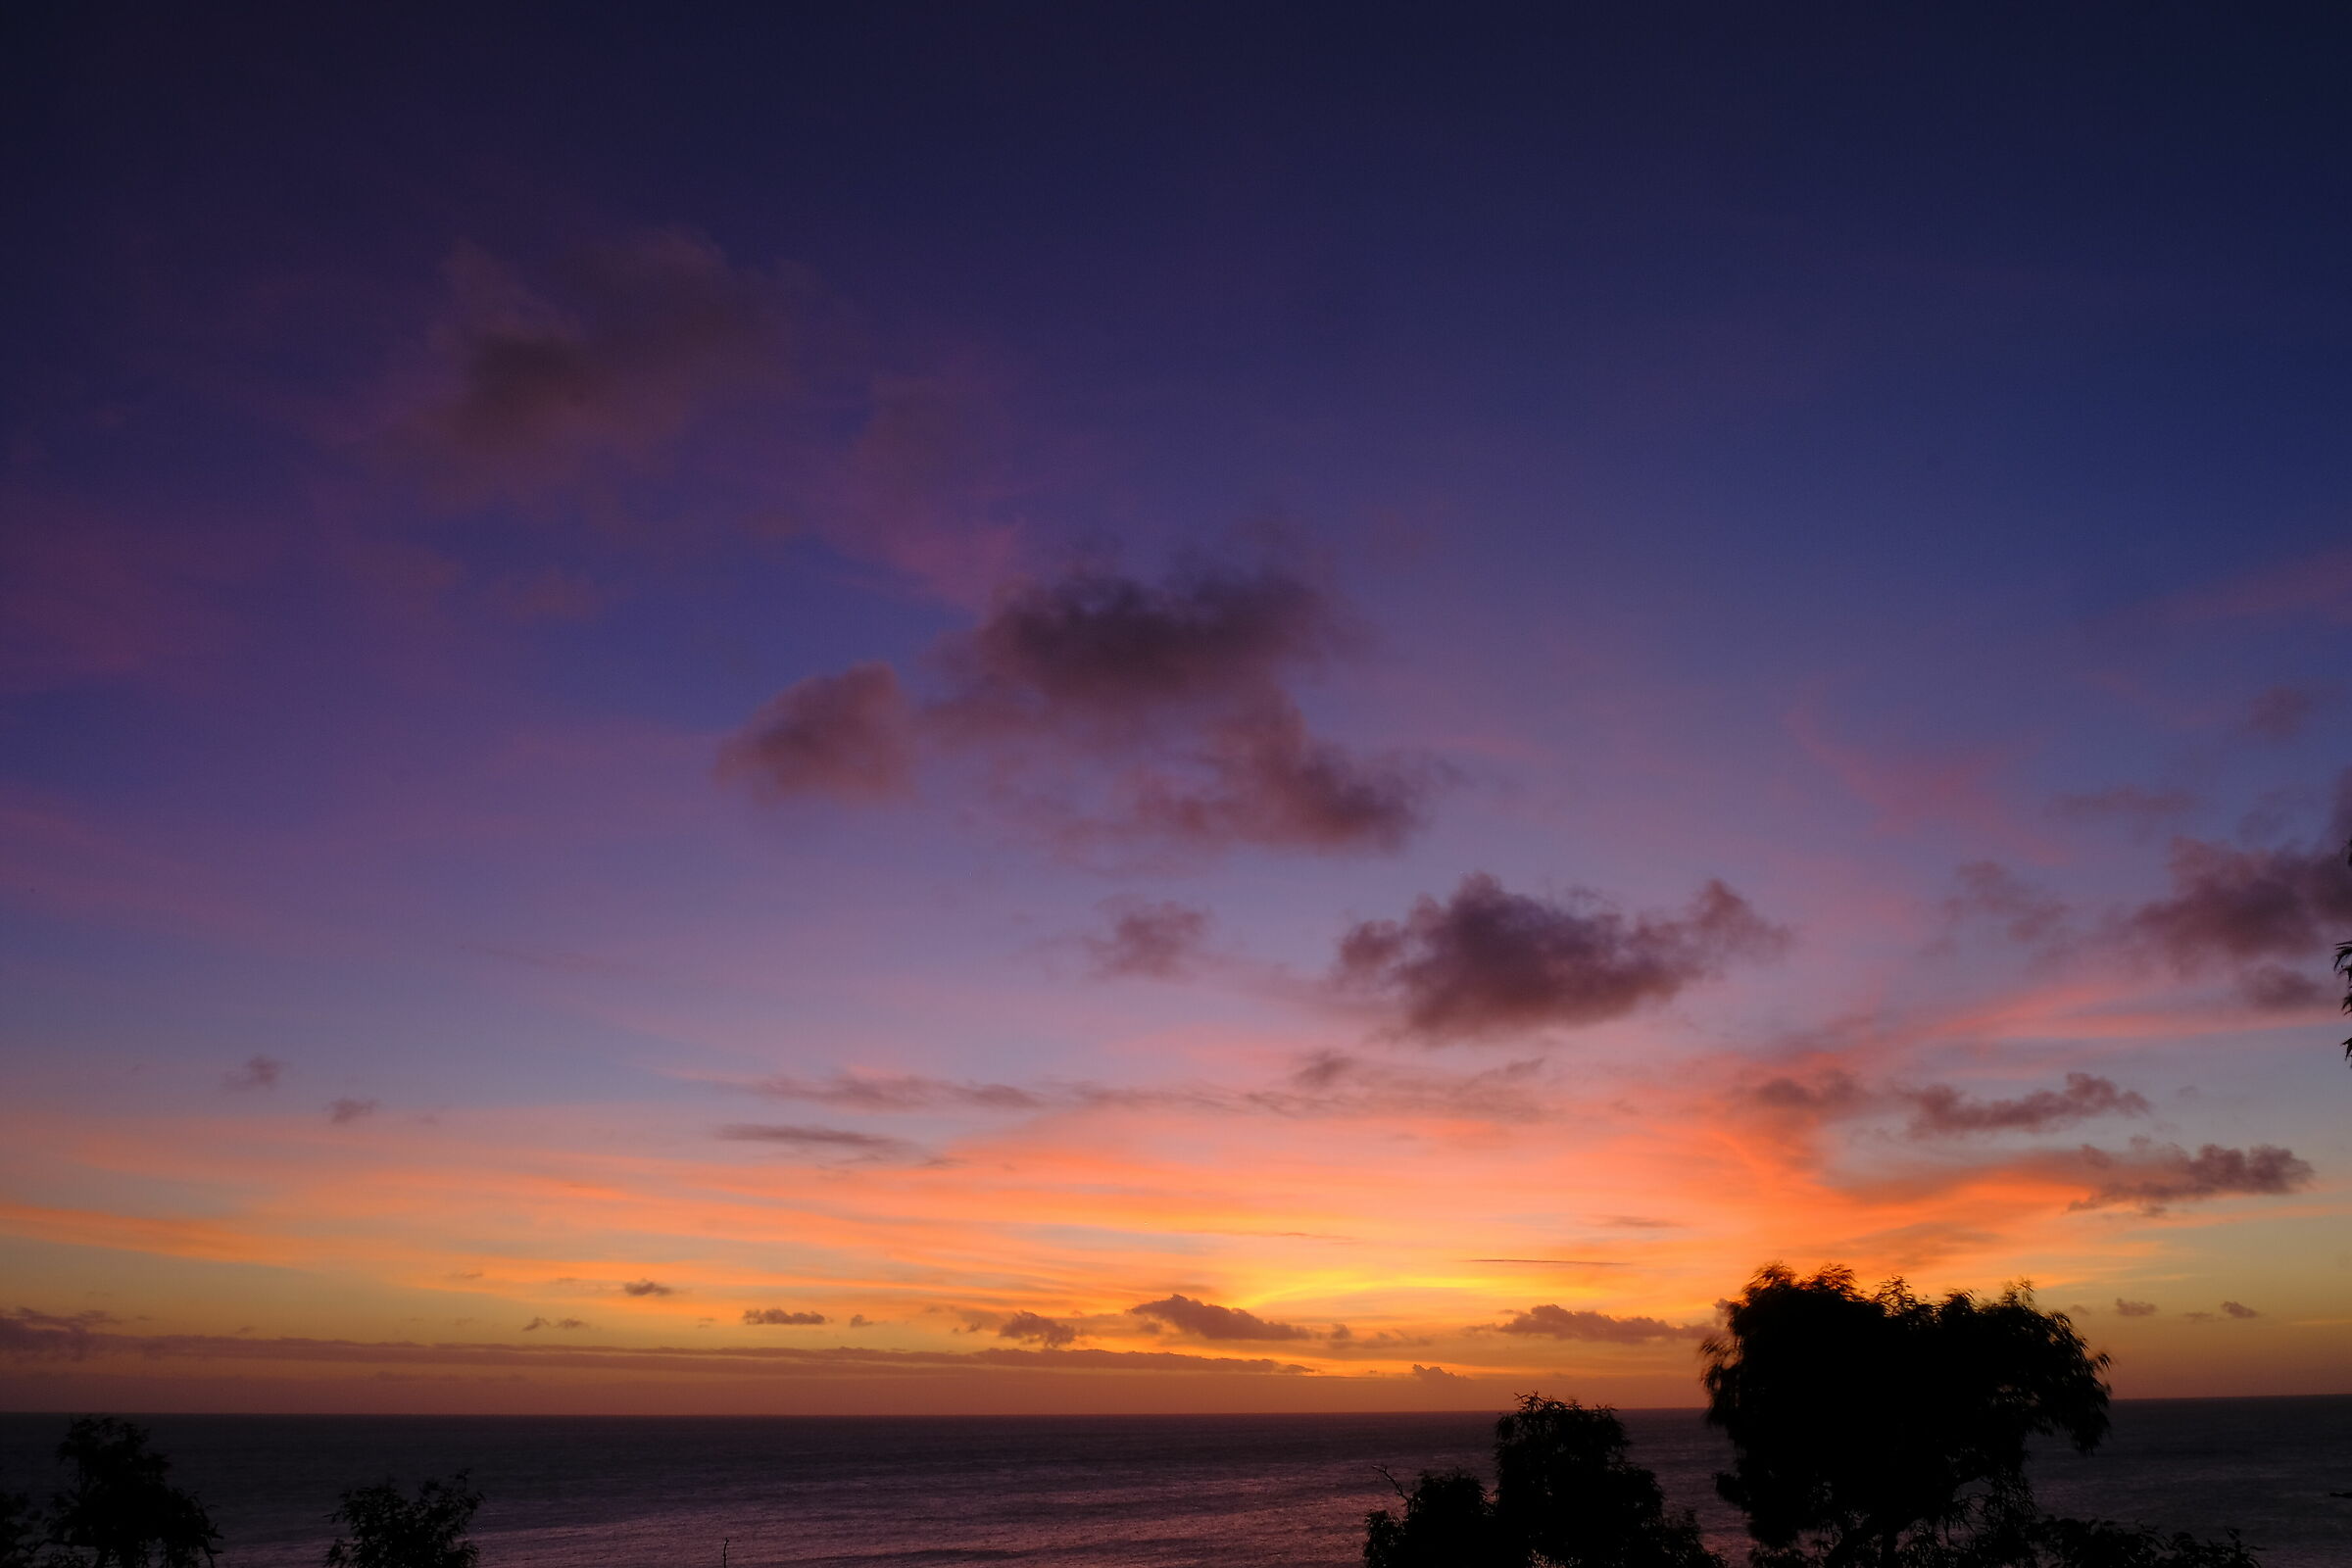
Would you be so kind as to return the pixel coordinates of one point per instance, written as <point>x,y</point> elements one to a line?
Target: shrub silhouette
<point>119,1508</point>
<point>388,1529</point>
<point>20,1530</point>
<point>1564,1494</point>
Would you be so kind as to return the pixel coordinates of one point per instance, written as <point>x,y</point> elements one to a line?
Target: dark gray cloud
<point>1184,685</point>
<point>2236,905</point>
<point>2276,988</point>
<point>647,1288</point>
<point>1204,1320</point>
<point>780,1317</point>
<point>1990,891</point>
<point>1156,941</point>
<point>1564,1323</point>
<point>2280,713</point>
<point>1110,713</point>
<point>2124,1309</point>
<point>1095,649</point>
<point>538,1323</point>
<point>1942,1111</point>
<point>1490,962</point>
<point>258,1072</point>
<point>1036,1326</point>
<point>344,1112</point>
<point>1262,779</point>
<point>2239,1309</point>
<point>603,361</point>
<point>850,736</point>
<point>2152,1176</point>
<point>819,1140</point>
<point>1434,1374</point>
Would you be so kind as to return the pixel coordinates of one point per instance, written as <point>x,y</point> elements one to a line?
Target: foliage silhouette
<point>2344,966</point>
<point>1448,1522</point>
<point>388,1529</point>
<point>118,1509</point>
<point>2096,1543</point>
<point>1887,1430</point>
<point>1858,1422</point>
<point>1564,1494</point>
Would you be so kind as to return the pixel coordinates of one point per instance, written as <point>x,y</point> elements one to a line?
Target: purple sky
<point>1029,709</point>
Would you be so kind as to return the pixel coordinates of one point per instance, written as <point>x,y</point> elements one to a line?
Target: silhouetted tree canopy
<point>118,1509</point>
<point>1565,1494</point>
<point>381,1527</point>
<point>2344,966</point>
<point>1448,1522</point>
<point>1861,1422</point>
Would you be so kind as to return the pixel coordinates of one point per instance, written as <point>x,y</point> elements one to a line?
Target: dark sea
<point>1239,1492</point>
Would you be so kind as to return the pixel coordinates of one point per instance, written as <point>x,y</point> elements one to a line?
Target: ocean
<point>1089,1492</point>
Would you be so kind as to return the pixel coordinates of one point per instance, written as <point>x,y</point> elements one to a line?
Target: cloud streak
<point>1204,1320</point>
<point>2152,1176</point>
<point>1942,1111</point>
<point>810,1140</point>
<point>1564,1323</point>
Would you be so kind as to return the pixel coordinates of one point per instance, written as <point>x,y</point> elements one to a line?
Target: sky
<point>1027,708</point>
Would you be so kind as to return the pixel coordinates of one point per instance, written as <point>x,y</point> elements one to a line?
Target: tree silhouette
<point>1564,1494</point>
<point>2096,1543</point>
<point>388,1529</point>
<point>1884,1428</point>
<point>2344,966</point>
<point>119,1508</point>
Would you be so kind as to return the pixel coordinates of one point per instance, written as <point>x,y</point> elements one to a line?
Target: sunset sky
<point>1046,708</point>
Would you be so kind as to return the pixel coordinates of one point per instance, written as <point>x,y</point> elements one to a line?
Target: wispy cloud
<point>1943,1112</point>
<point>1564,1323</point>
<point>258,1072</point>
<point>1204,1320</point>
<point>2152,1176</point>
<point>1157,941</point>
<point>810,1140</point>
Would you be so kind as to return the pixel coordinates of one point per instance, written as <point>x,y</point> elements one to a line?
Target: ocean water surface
<point>1087,1491</point>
